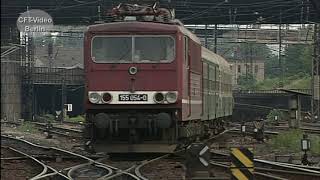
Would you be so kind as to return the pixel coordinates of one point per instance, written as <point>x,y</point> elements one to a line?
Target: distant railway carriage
<point>151,87</point>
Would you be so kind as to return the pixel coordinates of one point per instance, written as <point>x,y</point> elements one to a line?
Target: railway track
<point>60,131</point>
<point>71,130</point>
<point>269,169</point>
<point>149,169</point>
<point>310,128</point>
<point>59,163</point>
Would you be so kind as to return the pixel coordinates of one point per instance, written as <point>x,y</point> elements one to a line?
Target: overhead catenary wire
<point>195,15</point>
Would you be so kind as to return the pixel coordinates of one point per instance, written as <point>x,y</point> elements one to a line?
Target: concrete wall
<point>10,90</point>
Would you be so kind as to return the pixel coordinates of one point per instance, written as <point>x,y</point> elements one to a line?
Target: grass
<point>49,117</point>
<point>292,82</point>
<point>76,119</point>
<point>27,127</point>
<point>290,142</point>
<point>315,144</point>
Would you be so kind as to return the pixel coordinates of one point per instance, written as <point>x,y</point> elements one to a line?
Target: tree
<point>247,81</point>
<point>272,69</point>
<point>298,60</point>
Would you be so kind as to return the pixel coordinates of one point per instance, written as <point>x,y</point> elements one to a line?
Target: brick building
<point>242,67</point>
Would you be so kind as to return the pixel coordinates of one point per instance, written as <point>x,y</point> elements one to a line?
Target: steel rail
<point>117,174</point>
<point>55,172</point>
<point>317,173</point>
<point>25,141</point>
<point>218,135</point>
<point>269,176</point>
<point>65,151</point>
<point>45,167</point>
<point>137,169</point>
<point>285,171</point>
<point>93,162</point>
<point>300,166</point>
<point>297,169</point>
<point>59,133</point>
<point>70,172</point>
<point>56,127</point>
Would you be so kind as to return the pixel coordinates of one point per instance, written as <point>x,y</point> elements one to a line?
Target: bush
<point>273,113</point>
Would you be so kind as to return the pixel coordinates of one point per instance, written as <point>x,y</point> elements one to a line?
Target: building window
<point>256,69</point>
<point>239,68</point>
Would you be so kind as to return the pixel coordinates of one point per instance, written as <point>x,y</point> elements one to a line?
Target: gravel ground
<point>40,138</point>
<point>17,169</point>
<point>163,169</point>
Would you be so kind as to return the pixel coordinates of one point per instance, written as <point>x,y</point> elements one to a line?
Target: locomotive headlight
<point>158,97</point>
<point>94,97</point>
<point>171,97</point>
<point>107,97</point>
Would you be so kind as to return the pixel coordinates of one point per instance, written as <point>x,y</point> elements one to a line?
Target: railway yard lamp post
<point>305,146</point>
<point>276,120</point>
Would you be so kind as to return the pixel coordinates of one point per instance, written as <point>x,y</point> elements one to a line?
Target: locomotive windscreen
<point>133,49</point>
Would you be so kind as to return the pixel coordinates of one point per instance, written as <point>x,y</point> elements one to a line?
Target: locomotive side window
<point>186,51</point>
<point>112,49</point>
<point>133,49</point>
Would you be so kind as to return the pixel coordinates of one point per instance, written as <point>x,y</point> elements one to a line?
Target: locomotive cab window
<point>153,49</point>
<point>133,49</point>
<point>112,49</point>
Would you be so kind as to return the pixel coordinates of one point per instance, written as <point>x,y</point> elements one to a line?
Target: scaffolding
<point>27,68</point>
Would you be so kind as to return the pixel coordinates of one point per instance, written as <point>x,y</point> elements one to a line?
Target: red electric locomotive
<point>150,85</point>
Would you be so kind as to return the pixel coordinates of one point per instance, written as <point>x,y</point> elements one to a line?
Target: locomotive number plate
<point>133,97</point>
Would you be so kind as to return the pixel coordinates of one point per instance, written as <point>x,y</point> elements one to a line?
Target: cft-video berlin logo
<point>35,22</point>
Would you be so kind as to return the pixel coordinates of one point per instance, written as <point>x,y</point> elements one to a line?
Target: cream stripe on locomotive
<point>137,97</point>
<point>186,101</point>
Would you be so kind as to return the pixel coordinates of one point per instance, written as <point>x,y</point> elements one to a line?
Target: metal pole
<point>215,37</point>
<point>251,60</point>
<point>315,104</point>
<point>280,46</point>
<point>246,60</point>
<point>206,36</point>
<point>99,13</point>
<point>63,99</point>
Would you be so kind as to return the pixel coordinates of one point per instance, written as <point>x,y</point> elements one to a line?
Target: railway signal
<point>259,130</point>
<point>243,129</point>
<point>305,146</point>
<point>198,160</point>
